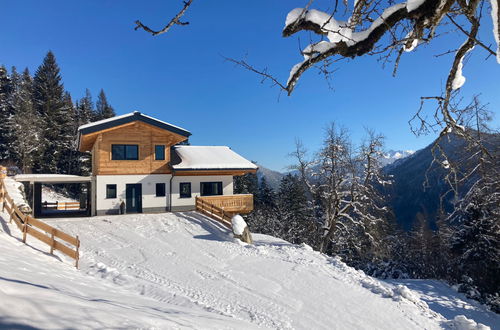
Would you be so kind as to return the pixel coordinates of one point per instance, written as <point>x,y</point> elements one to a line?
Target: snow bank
<point>460,322</point>
<point>16,192</point>
<point>239,224</point>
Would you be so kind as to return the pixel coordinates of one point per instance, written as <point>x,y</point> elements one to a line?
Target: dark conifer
<point>54,111</point>
<point>5,116</point>
<point>103,108</point>
<point>25,124</point>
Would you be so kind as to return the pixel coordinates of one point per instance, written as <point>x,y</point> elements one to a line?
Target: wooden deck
<point>242,203</point>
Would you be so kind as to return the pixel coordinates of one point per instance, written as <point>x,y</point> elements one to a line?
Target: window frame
<point>124,151</point>
<point>164,189</point>
<point>219,183</point>
<point>109,186</point>
<point>164,152</point>
<point>180,190</point>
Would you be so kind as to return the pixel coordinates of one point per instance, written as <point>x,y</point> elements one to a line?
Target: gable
<point>87,134</point>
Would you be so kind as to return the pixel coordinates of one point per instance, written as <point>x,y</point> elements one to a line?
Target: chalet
<point>139,164</point>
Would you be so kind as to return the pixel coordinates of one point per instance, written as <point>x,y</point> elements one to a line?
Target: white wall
<point>227,187</point>
<point>148,182</point>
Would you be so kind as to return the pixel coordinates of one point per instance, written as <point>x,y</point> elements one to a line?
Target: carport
<point>41,208</point>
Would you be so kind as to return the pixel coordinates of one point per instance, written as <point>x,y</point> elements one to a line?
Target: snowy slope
<point>183,270</point>
<point>50,195</point>
<point>186,260</point>
<point>40,291</point>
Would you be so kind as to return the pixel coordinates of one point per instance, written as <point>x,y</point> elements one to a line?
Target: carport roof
<point>52,178</point>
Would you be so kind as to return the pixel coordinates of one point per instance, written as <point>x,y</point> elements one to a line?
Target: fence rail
<point>61,205</point>
<point>38,229</point>
<point>239,203</point>
<point>214,212</point>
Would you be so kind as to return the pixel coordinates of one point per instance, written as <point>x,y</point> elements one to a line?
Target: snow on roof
<point>107,120</point>
<point>128,117</point>
<point>51,178</point>
<point>208,158</point>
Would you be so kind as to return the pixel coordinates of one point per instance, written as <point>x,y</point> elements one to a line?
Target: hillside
<point>185,271</point>
<point>408,197</point>
<point>273,178</point>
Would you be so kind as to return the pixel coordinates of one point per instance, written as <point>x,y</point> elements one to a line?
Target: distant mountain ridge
<point>273,178</point>
<point>393,155</point>
<point>408,197</point>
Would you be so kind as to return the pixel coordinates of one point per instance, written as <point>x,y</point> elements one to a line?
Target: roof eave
<point>136,116</point>
<point>216,169</point>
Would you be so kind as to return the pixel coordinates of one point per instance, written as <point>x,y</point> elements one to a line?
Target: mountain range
<point>411,197</point>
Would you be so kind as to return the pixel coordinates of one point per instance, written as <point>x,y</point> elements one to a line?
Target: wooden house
<point>140,165</point>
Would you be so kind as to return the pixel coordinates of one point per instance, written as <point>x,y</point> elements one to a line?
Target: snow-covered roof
<point>208,158</point>
<point>51,178</point>
<point>129,117</point>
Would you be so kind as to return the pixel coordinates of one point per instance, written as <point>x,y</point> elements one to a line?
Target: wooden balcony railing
<point>242,203</point>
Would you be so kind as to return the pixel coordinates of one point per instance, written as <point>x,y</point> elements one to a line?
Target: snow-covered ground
<point>50,195</point>
<point>184,270</point>
<point>445,300</point>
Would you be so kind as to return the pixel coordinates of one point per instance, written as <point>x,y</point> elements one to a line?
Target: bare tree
<point>174,21</point>
<point>343,181</point>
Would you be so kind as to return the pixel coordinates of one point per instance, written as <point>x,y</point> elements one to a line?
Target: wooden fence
<point>239,203</point>
<point>38,229</point>
<point>214,212</point>
<point>61,205</point>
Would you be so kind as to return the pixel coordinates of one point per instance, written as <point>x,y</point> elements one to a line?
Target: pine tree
<point>476,240</point>
<point>25,124</point>
<point>296,212</point>
<point>55,112</point>
<point>266,196</point>
<point>5,116</point>
<point>103,108</point>
<point>85,112</point>
<point>246,184</point>
<point>68,161</point>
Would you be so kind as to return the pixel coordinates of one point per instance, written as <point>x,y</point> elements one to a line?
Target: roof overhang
<point>120,121</point>
<point>214,172</point>
<point>52,178</point>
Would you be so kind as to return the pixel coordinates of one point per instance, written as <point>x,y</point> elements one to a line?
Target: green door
<point>133,194</point>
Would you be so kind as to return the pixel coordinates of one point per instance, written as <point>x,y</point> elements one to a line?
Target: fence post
<point>25,229</point>
<point>53,242</point>
<point>77,251</point>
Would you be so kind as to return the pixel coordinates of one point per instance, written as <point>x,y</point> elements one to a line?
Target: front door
<point>133,194</point>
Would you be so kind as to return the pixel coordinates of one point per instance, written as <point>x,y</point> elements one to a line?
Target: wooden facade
<point>144,135</point>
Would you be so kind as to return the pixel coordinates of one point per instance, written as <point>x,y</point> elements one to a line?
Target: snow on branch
<point>495,16</point>
<point>348,43</point>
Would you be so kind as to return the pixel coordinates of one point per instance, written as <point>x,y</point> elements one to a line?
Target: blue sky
<point>181,77</point>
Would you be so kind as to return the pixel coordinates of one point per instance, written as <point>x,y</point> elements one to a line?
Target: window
<point>159,152</point>
<point>111,191</point>
<point>160,190</point>
<point>185,189</point>
<point>124,152</point>
<point>211,188</point>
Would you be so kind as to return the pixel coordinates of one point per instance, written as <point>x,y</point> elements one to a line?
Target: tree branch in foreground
<point>173,21</point>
